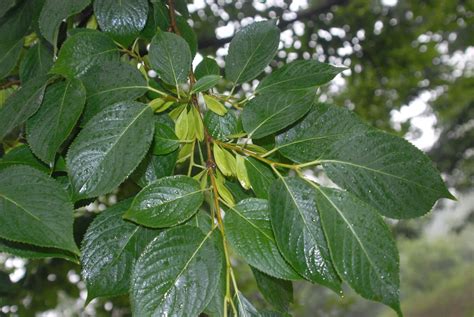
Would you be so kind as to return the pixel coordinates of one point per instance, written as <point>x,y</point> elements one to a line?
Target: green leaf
<point>244,307</point>
<point>50,126</point>
<point>387,172</point>
<point>277,292</point>
<point>362,248</point>
<point>251,50</point>
<point>322,127</point>
<point>260,176</point>
<point>206,83</point>
<point>54,12</point>
<point>35,209</point>
<point>21,105</point>
<point>220,127</point>
<point>111,82</point>
<point>298,232</point>
<point>9,54</point>
<point>165,140</point>
<point>215,105</point>
<point>109,148</point>
<point>269,113</point>
<point>37,62</point>
<point>298,75</point>
<point>187,33</point>
<point>171,57</point>
<point>110,248</point>
<point>22,155</point>
<point>84,51</point>
<point>241,172</point>
<point>154,167</point>
<point>177,274</point>
<point>166,202</point>
<point>28,251</point>
<point>249,231</point>
<point>6,6</point>
<point>207,66</point>
<point>224,161</point>
<point>122,19</point>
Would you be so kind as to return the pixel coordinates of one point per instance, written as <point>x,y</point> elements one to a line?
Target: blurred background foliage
<point>410,71</point>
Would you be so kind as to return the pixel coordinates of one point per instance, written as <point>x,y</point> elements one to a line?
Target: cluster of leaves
<point>217,174</point>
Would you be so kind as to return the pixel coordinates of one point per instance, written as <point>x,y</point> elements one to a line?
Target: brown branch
<point>283,25</point>
<point>172,13</point>
<point>9,84</point>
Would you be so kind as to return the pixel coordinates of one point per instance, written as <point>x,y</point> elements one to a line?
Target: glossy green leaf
<point>122,19</point>
<point>166,202</point>
<point>187,33</point>
<point>9,54</point>
<point>28,251</point>
<point>220,127</point>
<point>386,171</point>
<point>107,150</point>
<point>299,75</point>
<point>277,292</point>
<point>37,62</point>
<point>111,82</point>
<point>206,83</point>
<point>54,12</point>
<point>176,275</point>
<point>208,66</point>
<point>251,50</point>
<point>35,209</point>
<point>22,155</point>
<point>110,248</point>
<point>361,245</point>
<point>298,231</point>
<point>50,126</point>
<point>154,167</point>
<point>322,127</point>
<point>165,140</point>
<point>260,176</point>
<point>21,105</point>
<point>249,231</point>
<point>83,51</point>
<point>269,113</point>
<point>244,307</point>
<point>170,56</point>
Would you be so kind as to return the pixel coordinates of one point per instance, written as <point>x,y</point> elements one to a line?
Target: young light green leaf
<point>54,12</point>
<point>28,251</point>
<point>241,172</point>
<point>35,209</point>
<point>322,127</point>
<point>269,113</point>
<point>50,126</point>
<point>122,19</point>
<point>21,105</point>
<point>277,292</point>
<point>83,51</point>
<point>260,177</point>
<point>198,125</point>
<point>249,231</point>
<point>165,140</point>
<point>205,83</point>
<point>207,66</point>
<point>166,202</point>
<point>111,82</point>
<point>298,75</point>
<point>298,232</point>
<point>219,127</point>
<point>223,191</point>
<point>182,125</point>
<point>37,62</point>
<point>171,57</point>
<point>22,155</point>
<point>215,105</point>
<point>107,150</point>
<point>387,172</point>
<point>224,160</point>
<point>361,245</point>
<point>251,50</point>
<point>110,248</point>
<point>177,274</point>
